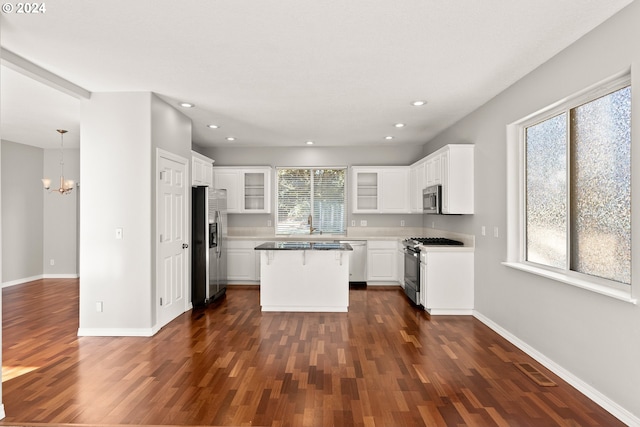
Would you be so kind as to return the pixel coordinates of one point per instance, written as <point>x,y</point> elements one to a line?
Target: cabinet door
<point>433,170</point>
<point>423,285</point>
<point>365,190</point>
<point>241,261</point>
<point>382,261</point>
<point>256,191</point>
<point>196,171</point>
<point>417,184</point>
<point>457,179</point>
<point>395,190</point>
<point>381,265</point>
<point>229,179</point>
<point>207,174</point>
<point>444,171</point>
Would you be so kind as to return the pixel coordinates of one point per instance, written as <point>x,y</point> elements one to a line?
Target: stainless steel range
<point>412,262</point>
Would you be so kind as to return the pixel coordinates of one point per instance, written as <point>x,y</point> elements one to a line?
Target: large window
<point>576,195</point>
<point>311,197</point>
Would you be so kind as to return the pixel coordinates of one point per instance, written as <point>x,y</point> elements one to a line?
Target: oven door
<point>412,275</point>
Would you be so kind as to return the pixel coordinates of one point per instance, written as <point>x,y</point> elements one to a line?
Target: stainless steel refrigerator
<point>208,243</point>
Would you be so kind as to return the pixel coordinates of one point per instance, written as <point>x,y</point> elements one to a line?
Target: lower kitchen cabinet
<point>446,282</point>
<point>382,261</point>
<point>241,261</point>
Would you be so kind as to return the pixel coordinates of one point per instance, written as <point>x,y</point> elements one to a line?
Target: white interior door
<point>172,243</point>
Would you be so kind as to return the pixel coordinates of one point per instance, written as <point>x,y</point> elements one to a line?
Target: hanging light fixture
<point>65,186</point>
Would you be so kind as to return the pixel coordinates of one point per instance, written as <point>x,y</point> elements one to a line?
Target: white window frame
<point>346,187</point>
<point>516,192</point>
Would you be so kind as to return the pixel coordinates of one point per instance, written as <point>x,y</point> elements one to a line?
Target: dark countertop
<point>304,246</point>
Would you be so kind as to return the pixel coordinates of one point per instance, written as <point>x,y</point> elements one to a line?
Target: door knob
<point>185,246</point>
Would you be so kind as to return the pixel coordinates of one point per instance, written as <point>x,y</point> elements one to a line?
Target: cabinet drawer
<point>382,244</point>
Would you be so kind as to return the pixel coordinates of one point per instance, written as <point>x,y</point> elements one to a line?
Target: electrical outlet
<point>433,224</point>
<point>353,222</point>
<point>268,223</point>
<point>52,261</point>
<point>402,223</point>
<point>99,306</point>
<point>483,230</point>
<point>363,223</point>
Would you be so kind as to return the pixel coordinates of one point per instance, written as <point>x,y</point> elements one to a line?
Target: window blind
<point>311,192</point>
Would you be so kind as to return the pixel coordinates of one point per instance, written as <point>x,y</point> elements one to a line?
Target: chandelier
<point>65,186</point>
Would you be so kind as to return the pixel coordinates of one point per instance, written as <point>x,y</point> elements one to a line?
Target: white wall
<point>60,222</point>
<point>170,131</point>
<point>119,136</point>
<point>22,212</point>
<point>39,226</point>
<point>593,337</point>
<point>115,154</point>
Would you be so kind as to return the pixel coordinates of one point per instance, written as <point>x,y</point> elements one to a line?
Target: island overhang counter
<point>304,276</point>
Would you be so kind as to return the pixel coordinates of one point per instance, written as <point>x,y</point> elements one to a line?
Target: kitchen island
<point>304,276</point>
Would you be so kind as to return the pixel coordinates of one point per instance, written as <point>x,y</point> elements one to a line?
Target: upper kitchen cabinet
<point>456,163</point>
<point>452,168</point>
<point>380,189</point>
<point>417,183</point>
<point>248,188</point>
<point>201,170</point>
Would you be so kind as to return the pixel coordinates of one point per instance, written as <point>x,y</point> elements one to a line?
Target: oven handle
<point>411,253</point>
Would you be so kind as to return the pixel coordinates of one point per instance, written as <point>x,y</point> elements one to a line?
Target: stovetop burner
<point>434,241</point>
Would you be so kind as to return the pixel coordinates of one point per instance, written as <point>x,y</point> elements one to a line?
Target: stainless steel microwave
<point>431,199</point>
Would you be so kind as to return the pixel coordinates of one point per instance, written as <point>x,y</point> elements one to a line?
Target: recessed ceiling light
<point>418,103</point>
<point>186,105</point>
<point>230,138</point>
<point>309,142</point>
<point>399,125</point>
<point>213,126</point>
<point>388,137</point>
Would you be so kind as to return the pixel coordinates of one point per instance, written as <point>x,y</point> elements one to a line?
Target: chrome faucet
<point>310,222</point>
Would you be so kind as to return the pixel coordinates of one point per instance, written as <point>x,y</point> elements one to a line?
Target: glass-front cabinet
<point>380,189</point>
<point>248,188</point>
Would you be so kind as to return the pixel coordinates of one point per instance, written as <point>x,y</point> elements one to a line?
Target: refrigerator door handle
<point>219,249</point>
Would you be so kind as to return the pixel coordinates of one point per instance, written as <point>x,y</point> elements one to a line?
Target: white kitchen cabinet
<point>380,189</point>
<point>417,178</point>
<point>382,261</point>
<point>241,261</point>
<point>201,170</point>
<point>256,190</point>
<point>395,190</point>
<point>229,179</point>
<point>433,170</point>
<point>446,282</point>
<point>457,161</point>
<point>248,188</point>
<point>451,167</point>
<point>365,190</point>
<point>400,260</point>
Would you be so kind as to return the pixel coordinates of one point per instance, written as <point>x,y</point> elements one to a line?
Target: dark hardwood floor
<point>385,363</point>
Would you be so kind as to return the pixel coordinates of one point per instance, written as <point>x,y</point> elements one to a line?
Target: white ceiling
<point>281,72</point>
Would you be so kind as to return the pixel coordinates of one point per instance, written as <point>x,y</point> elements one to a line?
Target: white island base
<point>304,280</point>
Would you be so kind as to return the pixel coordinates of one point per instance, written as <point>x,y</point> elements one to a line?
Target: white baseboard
<point>115,332</point>
<point>59,276</point>
<point>38,277</point>
<point>21,281</point>
<point>600,399</point>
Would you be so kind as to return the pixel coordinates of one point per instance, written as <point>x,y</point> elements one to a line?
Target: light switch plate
<point>119,233</point>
